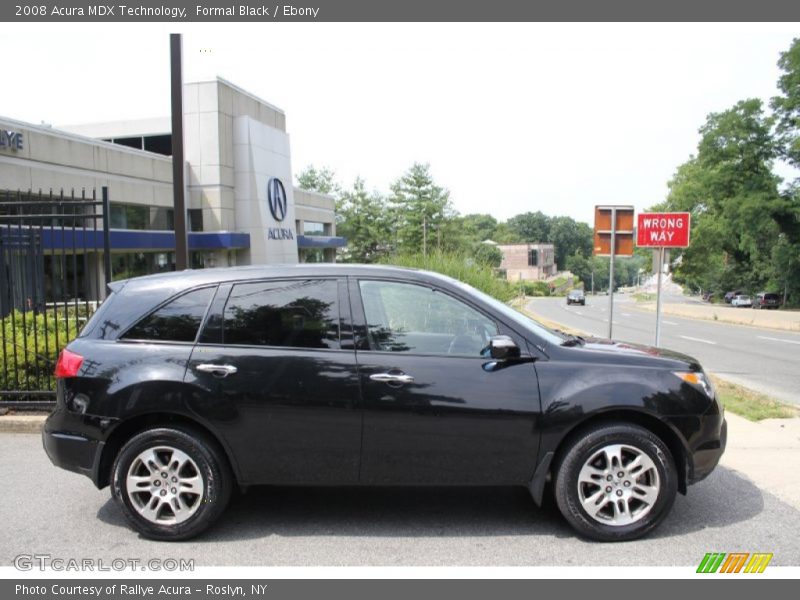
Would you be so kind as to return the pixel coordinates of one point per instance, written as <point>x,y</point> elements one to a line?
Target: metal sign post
<point>613,236</point>
<point>660,231</point>
<point>658,298</point>
<point>611,272</point>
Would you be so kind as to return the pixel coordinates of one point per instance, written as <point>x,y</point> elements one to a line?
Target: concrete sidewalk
<point>21,423</point>
<point>767,452</point>
<point>783,320</point>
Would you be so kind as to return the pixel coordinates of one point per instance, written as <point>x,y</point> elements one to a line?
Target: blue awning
<point>130,239</point>
<point>320,241</point>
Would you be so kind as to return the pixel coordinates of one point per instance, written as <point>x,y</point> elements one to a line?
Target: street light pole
<point>179,200</point>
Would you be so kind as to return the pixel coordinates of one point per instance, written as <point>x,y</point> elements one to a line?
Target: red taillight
<point>68,364</point>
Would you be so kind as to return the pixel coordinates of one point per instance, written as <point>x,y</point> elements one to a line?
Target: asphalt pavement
<point>50,511</point>
<point>765,360</point>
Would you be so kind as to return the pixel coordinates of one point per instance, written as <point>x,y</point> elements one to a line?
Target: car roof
<point>196,277</point>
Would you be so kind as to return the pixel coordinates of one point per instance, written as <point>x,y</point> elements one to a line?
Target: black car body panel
<point>317,415</point>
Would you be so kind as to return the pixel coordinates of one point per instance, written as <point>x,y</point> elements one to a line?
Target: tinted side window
<point>298,314</point>
<point>176,321</point>
<point>404,317</point>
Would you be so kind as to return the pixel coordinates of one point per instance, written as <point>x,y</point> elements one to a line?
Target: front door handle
<point>392,378</point>
<point>217,370</point>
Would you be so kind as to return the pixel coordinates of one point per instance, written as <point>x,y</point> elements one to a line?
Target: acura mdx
<point>185,386</point>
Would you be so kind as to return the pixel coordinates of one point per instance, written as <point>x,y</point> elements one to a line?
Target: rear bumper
<point>68,444</point>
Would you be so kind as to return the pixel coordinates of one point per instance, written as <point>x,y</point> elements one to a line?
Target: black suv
<point>185,385</point>
<point>576,297</point>
<point>767,300</point>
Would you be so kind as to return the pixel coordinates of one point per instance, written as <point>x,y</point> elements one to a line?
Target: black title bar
<point>183,11</point>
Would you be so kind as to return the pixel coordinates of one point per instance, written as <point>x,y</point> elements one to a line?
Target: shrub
<point>30,345</point>
<point>534,288</point>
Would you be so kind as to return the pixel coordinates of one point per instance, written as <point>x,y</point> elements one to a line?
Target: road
<point>48,510</point>
<point>765,360</point>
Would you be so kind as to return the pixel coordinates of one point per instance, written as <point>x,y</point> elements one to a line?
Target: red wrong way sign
<point>663,230</point>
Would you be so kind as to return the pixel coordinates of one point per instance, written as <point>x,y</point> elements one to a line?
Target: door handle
<point>392,378</point>
<point>217,370</point>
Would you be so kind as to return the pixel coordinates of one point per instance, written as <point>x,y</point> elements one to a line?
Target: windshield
<point>537,328</point>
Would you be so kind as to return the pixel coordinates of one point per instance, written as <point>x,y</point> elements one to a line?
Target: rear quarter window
<point>176,321</point>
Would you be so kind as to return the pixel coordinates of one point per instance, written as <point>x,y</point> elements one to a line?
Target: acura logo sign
<point>276,196</point>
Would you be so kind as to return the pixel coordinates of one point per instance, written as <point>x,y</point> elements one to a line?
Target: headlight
<point>697,379</point>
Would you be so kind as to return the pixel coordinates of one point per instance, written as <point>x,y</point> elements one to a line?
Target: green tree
<point>487,254</point>
<point>569,236</point>
<point>363,219</point>
<point>480,227</point>
<point>732,193</point>
<point>321,180</point>
<point>530,227</point>
<point>787,105</point>
<point>786,264</point>
<point>421,210</point>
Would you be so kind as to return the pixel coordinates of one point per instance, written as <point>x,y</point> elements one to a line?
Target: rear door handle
<point>392,377</point>
<point>217,370</point>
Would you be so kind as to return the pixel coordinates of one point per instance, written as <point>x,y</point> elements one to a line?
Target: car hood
<point>638,353</point>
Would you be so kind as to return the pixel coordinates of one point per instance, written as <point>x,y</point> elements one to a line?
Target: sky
<point>511,117</point>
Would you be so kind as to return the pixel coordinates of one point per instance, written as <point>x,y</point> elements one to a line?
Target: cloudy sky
<point>511,117</point>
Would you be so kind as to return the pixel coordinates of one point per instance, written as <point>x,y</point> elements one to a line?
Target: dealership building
<point>241,205</point>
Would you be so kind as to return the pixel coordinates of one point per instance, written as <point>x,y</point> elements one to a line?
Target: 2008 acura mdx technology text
<point>184,385</point>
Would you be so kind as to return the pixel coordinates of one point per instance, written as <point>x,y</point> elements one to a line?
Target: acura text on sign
<point>668,230</point>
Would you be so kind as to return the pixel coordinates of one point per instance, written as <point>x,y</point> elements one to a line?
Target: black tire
<point>212,467</point>
<point>582,448</point>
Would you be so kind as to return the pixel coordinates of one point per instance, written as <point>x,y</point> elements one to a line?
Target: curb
<point>22,423</point>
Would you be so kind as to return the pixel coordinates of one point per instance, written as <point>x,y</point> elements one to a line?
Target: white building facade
<point>241,205</point>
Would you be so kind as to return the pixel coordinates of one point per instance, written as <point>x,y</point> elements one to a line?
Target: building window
<point>195,219</point>
<point>533,258</point>
<point>137,216</point>
<point>315,228</point>
<point>160,144</point>
<point>133,264</point>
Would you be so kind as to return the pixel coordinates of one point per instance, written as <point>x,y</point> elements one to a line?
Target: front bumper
<point>706,457</point>
<point>73,442</point>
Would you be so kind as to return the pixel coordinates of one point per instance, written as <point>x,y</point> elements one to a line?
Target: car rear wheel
<point>615,482</point>
<point>170,483</point>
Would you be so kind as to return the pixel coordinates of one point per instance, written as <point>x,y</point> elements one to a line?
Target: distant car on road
<point>731,295</point>
<point>741,301</point>
<point>766,300</point>
<point>576,297</point>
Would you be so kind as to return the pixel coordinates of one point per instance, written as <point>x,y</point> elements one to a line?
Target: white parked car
<point>741,300</point>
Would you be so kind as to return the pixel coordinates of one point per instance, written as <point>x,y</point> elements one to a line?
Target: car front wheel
<point>170,483</point>
<point>615,482</point>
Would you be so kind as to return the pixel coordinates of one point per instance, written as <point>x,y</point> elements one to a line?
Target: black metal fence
<point>54,267</point>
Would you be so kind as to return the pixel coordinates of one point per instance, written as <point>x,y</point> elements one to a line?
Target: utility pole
<point>178,192</point>
<point>425,236</point>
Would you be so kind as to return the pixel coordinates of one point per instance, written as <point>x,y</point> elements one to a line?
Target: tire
<point>611,524</point>
<point>203,482</point>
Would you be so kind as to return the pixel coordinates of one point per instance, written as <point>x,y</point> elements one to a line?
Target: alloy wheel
<point>618,485</point>
<point>164,485</point>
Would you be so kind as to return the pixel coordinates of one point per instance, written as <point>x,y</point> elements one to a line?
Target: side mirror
<point>502,347</point>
